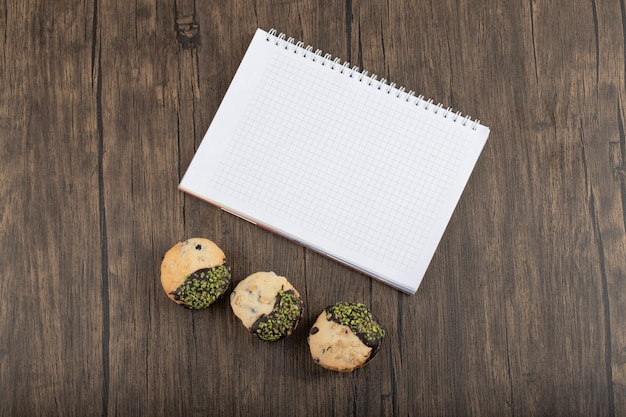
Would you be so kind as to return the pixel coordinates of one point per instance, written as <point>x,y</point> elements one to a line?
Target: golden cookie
<point>194,273</point>
<point>344,337</point>
<point>267,305</point>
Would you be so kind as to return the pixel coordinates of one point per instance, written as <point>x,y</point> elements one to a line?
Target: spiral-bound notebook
<point>336,159</point>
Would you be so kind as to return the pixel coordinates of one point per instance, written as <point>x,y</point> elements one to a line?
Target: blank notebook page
<point>328,156</point>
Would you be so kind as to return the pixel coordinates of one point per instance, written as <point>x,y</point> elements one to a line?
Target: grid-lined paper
<point>354,171</point>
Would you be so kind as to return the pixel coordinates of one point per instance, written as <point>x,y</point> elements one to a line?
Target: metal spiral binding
<point>372,80</point>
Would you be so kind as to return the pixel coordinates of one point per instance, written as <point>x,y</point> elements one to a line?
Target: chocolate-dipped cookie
<point>194,273</point>
<point>345,336</point>
<point>267,305</point>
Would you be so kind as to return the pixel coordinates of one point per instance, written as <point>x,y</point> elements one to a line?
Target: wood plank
<point>555,340</point>
<point>602,130</point>
<point>51,323</point>
<point>138,71</point>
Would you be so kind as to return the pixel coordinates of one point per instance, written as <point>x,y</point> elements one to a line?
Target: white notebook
<point>332,157</point>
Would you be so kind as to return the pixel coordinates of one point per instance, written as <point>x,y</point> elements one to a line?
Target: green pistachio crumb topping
<point>283,318</point>
<point>359,319</point>
<point>203,287</point>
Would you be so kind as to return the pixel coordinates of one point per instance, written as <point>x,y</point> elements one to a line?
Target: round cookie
<point>194,273</point>
<point>345,336</point>
<point>267,305</point>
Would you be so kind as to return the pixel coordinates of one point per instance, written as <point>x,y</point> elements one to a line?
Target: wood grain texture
<point>102,106</point>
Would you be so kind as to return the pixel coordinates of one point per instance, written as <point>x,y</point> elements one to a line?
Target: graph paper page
<point>322,155</point>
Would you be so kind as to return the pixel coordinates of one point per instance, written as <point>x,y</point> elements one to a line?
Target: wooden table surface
<point>522,311</point>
